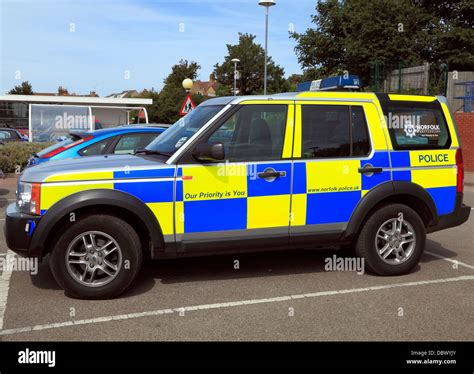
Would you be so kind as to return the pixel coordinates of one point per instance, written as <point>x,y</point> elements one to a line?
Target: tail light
<point>54,152</point>
<point>460,170</point>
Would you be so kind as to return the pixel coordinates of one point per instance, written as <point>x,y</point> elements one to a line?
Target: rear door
<point>338,158</point>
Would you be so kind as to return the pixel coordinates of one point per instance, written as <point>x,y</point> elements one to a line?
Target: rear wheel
<point>97,257</point>
<point>392,240</point>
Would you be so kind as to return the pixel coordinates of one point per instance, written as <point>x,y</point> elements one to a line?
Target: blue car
<point>117,140</point>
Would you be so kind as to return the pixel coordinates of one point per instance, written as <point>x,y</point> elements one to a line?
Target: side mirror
<point>209,152</point>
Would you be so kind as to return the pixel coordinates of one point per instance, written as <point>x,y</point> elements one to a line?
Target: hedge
<point>15,155</point>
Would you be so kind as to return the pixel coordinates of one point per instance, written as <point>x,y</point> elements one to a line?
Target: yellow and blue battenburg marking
<point>434,170</point>
<point>59,186</point>
<point>232,197</point>
<point>155,187</point>
<point>156,193</point>
<point>328,191</point>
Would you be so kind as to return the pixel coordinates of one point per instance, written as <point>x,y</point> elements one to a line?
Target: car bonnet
<point>89,168</point>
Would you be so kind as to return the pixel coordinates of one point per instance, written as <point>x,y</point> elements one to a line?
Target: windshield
<point>178,134</point>
<point>70,138</point>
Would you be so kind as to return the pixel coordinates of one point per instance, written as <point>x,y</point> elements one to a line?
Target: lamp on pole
<point>187,84</point>
<point>235,61</point>
<point>267,4</point>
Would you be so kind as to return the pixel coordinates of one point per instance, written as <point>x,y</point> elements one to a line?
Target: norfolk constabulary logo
<point>409,128</point>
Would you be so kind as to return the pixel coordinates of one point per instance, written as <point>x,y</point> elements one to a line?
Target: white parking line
<point>229,304</point>
<point>450,260</point>
<point>4,287</point>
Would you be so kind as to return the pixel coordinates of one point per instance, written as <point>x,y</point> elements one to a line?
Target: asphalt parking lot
<point>272,296</point>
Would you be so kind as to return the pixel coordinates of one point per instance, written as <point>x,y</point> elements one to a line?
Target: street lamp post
<point>235,61</point>
<point>188,105</point>
<point>187,84</point>
<point>267,4</point>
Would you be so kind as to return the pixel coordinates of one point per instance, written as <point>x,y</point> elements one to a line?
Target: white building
<point>45,118</point>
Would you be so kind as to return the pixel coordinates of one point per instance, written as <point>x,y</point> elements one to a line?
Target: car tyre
<point>386,233</point>
<point>85,263</point>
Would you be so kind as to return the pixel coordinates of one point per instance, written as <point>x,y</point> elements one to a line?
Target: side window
<point>360,133</point>
<point>5,134</point>
<point>96,148</point>
<point>253,133</point>
<point>225,133</point>
<point>332,131</point>
<point>146,139</point>
<point>412,127</point>
<point>129,144</point>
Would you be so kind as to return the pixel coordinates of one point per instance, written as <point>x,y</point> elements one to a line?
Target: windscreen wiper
<point>151,152</point>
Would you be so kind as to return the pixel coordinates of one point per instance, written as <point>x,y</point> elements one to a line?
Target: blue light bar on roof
<point>338,83</point>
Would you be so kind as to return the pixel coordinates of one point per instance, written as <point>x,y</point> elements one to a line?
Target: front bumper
<point>19,228</point>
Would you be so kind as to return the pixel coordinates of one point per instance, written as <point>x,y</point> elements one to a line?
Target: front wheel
<point>392,240</point>
<point>97,257</point>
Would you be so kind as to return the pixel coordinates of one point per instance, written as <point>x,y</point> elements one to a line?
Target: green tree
<point>452,32</point>
<point>293,80</point>
<point>22,89</point>
<point>312,74</point>
<point>152,109</point>
<point>250,67</point>
<point>349,35</point>
<point>166,104</point>
<point>224,90</point>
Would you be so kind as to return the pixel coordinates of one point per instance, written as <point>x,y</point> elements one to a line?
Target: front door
<point>245,201</point>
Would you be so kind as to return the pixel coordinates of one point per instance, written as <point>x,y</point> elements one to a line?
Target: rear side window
<point>360,133</point>
<point>416,126</point>
<point>332,131</point>
<point>129,144</point>
<point>96,148</point>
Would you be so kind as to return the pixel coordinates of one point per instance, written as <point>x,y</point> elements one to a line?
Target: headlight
<point>28,197</point>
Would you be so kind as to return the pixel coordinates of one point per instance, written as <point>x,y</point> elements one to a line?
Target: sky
<point>109,46</point>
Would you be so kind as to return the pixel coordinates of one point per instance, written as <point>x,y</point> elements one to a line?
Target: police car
<point>295,170</point>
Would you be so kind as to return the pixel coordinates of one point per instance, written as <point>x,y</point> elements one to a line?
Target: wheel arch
<point>118,203</point>
<point>402,192</point>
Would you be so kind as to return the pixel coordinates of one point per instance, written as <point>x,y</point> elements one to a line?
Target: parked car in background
<point>165,125</point>
<point>24,132</point>
<point>117,140</point>
<point>11,135</point>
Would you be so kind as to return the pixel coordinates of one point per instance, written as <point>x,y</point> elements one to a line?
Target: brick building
<point>206,88</point>
<point>465,122</point>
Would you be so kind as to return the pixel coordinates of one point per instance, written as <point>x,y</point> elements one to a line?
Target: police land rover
<point>295,170</point>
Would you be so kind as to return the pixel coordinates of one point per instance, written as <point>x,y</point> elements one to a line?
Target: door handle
<point>370,169</point>
<point>271,174</point>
